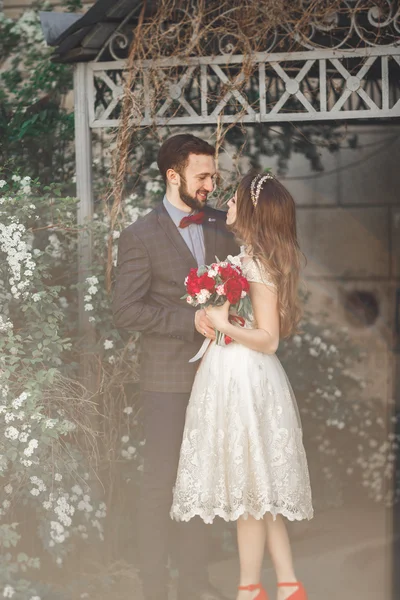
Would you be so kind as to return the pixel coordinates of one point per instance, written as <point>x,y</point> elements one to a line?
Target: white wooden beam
<point>84,192</point>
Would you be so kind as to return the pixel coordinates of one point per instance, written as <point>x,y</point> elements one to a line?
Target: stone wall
<point>349,229</point>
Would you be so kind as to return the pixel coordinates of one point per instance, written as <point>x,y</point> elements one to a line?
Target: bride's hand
<point>219,316</point>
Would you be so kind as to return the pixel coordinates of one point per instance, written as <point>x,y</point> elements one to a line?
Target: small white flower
<point>2,183</point>
<point>87,298</point>
<point>35,598</point>
<point>125,439</point>
<point>36,297</point>
<point>8,489</point>
<point>297,341</point>
<point>88,307</point>
<point>203,296</point>
<point>92,320</point>
<point>11,433</point>
<point>128,410</point>
<point>92,290</point>
<point>16,178</point>
<point>189,300</point>
<point>8,591</point>
<point>92,280</point>
<point>108,344</point>
<point>58,476</point>
<point>35,492</point>
<point>116,234</point>
<point>131,450</point>
<point>6,504</point>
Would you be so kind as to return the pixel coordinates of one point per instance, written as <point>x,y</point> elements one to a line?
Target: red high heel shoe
<point>251,588</point>
<point>299,594</point>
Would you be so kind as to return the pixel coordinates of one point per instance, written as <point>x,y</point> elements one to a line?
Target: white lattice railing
<point>317,82</point>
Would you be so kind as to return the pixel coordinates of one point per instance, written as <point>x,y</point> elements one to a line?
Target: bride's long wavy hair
<point>269,230</point>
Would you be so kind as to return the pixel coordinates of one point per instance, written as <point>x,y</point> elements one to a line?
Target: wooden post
<point>84,190</point>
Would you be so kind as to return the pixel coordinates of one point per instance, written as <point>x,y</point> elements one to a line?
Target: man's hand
<point>203,324</point>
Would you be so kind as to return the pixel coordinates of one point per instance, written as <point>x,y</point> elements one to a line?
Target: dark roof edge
<point>55,24</point>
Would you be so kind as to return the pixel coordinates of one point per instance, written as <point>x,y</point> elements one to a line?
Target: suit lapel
<point>174,236</point>
<point>210,237</point>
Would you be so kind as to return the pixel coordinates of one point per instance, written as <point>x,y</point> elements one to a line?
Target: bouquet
<point>213,285</point>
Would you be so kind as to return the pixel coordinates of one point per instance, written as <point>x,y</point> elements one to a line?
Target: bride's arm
<point>265,308</point>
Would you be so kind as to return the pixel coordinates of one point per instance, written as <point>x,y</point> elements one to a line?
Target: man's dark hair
<point>174,153</point>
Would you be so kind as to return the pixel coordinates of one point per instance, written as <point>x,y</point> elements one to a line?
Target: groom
<point>154,256</point>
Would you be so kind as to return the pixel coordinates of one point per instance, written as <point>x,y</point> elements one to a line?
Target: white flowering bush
<point>52,430</point>
<point>349,436</point>
<point>47,440</point>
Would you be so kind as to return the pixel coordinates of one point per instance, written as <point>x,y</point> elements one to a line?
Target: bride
<point>242,456</point>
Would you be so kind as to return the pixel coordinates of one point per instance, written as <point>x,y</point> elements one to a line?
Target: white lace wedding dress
<point>242,451</point>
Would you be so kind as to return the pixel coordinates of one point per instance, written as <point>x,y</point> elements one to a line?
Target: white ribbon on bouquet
<point>202,350</point>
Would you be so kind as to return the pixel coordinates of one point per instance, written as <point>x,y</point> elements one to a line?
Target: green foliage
<point>36,130</point>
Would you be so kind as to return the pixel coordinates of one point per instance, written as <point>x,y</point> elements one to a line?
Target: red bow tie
<point>197,219</point>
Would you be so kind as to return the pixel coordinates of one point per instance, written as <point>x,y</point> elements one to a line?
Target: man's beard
<point>189,200</point>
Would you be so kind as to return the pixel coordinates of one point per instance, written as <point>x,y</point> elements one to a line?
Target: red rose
<point>193,282</point>
<point>228,340</point>
<point>227,272</point>
<point>245,284</point>
<point>207,283</point>
<point>233,290</point>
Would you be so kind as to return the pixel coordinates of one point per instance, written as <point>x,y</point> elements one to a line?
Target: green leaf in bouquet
<point>201,270</point>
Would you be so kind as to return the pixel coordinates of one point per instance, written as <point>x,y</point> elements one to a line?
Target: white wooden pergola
<point>346,68</point>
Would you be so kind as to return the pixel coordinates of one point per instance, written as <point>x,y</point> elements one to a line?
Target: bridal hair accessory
<point>256,186</point>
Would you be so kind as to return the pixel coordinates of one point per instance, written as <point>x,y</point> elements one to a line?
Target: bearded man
<point>155,255</point>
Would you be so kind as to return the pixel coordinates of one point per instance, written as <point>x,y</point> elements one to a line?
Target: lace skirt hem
<point>208,515</point>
